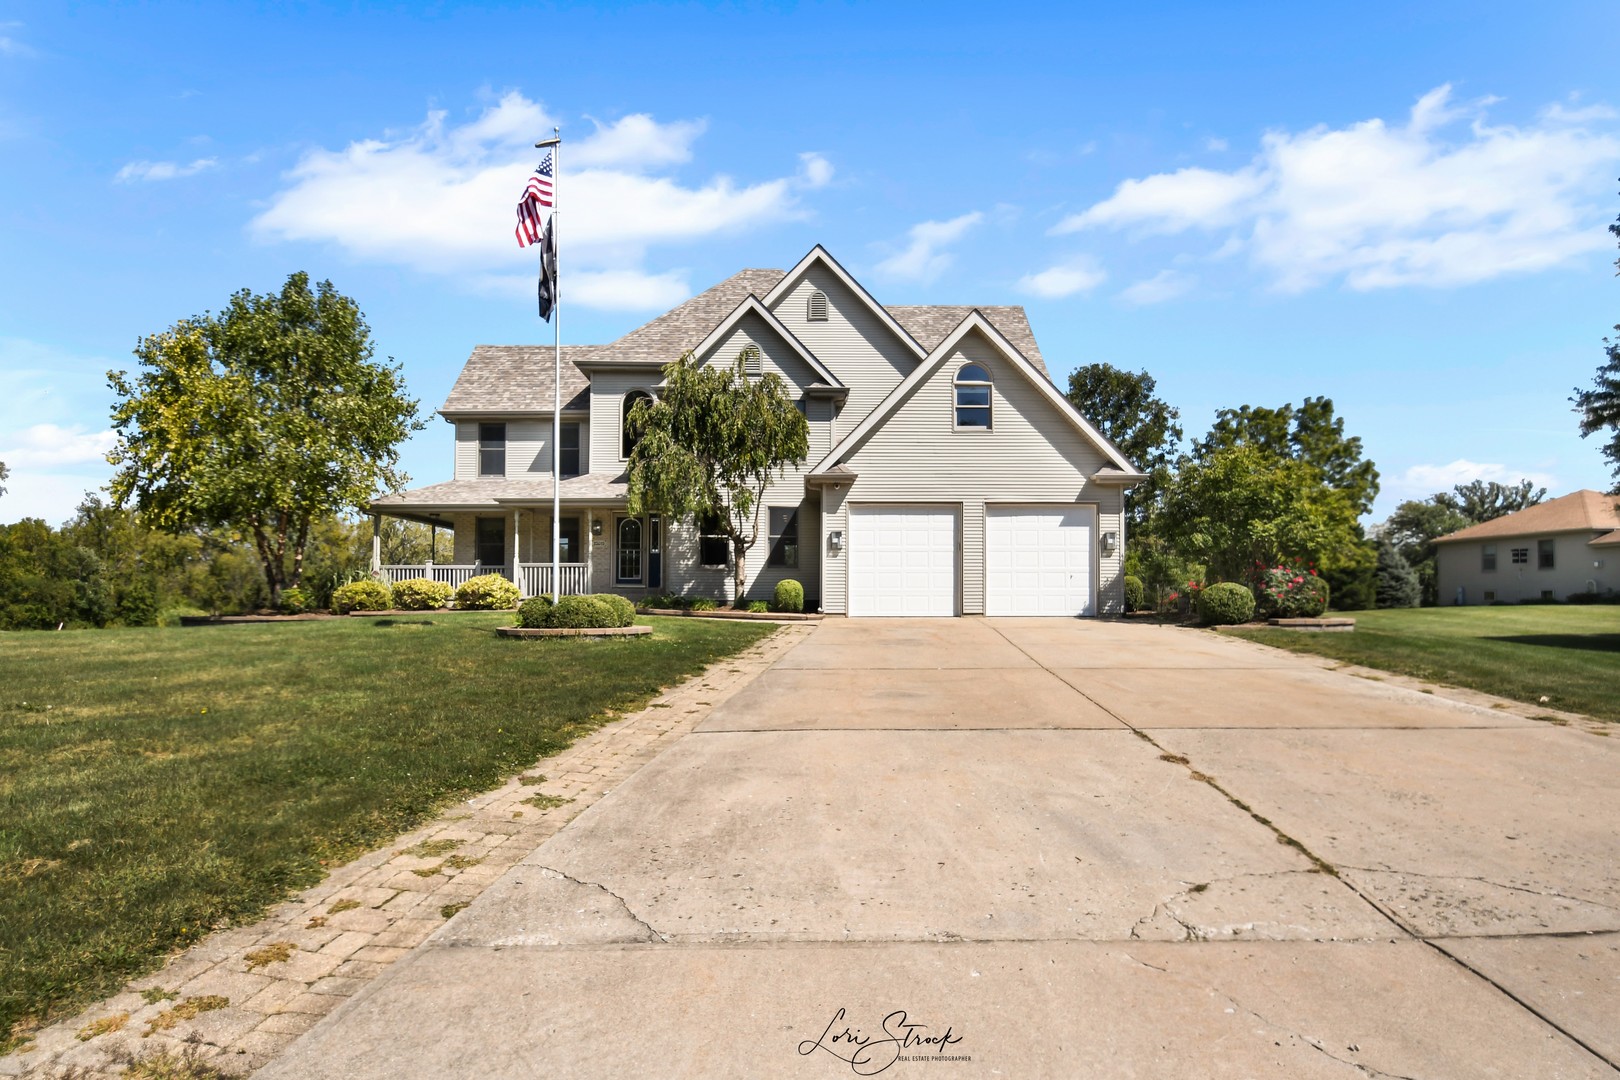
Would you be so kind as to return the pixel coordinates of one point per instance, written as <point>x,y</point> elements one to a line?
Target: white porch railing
<point>452,574</point>
<point>573,579</point>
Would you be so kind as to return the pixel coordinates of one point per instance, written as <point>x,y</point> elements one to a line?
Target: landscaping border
<point>757,616</point>
<point>572,631</point>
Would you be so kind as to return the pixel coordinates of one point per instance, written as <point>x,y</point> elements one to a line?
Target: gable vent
<point>818,306</point>
<point>753,364</point>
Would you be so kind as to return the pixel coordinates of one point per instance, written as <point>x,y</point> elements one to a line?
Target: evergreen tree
<point>1397,585</point>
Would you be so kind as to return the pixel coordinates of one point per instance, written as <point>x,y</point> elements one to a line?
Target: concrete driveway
<point>982,847</point>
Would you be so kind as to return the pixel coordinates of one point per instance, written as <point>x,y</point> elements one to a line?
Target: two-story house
<point>947,474</point>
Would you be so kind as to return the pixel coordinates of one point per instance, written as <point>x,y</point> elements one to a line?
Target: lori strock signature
<point>869,1055</point>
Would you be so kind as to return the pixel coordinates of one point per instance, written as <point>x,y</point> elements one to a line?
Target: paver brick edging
<point>757,616</point>
<point>349,928</point>
<point>572,631</point>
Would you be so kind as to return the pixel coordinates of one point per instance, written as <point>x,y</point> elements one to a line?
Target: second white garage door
<point>1038,560</point>
<point>902,560</point>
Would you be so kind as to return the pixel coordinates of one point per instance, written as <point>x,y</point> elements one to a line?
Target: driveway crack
<point>624,905</point>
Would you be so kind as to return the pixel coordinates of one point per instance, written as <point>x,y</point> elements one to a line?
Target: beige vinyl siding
<point>1458,565</point>
<point>608,389</point>
<point>775,354</point>
<point>528,448</point>
<point>584,445</point>
<point>1032,454</point>
<point>466,467</point>
<point>854,343</point>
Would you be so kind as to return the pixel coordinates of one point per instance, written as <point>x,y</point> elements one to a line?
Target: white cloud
<point>1076,276</point>
<point>922,259</point>
<point>51,469</point>
<point>45,446</point>
<point>1165,285</point>
<point>441,198</point>
<point>46,392</point>
<point>162,170</point>
<point>1216,146</point>
<point>1420,481</point>
<point>1432,202</point>
<point>9,45</point>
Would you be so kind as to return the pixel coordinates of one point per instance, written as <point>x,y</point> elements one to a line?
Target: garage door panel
<point>902,560</point>
<point>1038,560</point>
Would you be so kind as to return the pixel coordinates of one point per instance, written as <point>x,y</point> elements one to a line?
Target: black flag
<point>548,273</point>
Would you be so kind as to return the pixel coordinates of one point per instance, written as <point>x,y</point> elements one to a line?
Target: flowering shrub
<point>1290,590</point>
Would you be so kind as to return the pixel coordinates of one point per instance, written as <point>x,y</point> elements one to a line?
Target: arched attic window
<point>628,440</point>
<point>972,397</point>
<point>753,363</point>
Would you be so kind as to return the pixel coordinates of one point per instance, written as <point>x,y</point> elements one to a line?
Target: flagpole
<point>555,143</point>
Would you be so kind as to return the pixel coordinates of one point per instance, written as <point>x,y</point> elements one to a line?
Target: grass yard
<point>1569,655</point>
<point>156,784</point>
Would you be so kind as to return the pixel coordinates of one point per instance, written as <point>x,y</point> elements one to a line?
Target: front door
<point>568,549</point>
<point>628,550</point>
<point>489,545</point>
<point>655,555</point>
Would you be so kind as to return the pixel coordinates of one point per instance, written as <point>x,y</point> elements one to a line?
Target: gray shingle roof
<point>518,378</point>
<point>486,490</point>
<point>929,324</point>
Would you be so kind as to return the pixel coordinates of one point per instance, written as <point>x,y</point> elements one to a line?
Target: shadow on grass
<point>1586,642</point>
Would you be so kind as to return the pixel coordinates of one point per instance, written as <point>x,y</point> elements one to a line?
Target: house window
<point>628,561</point>
<point>713,545</point>
<point>818,307</point>
<point>1521,556</point>
<point>972,397</point>
<point>568,549</point>
<point>1547,594</point>
<point>1490,597</point>
<point>1487,558</point>
<point>753,362</point>
<point>489,541</point>
<point>491,449</point>
<point>784,536</point>
<point>568,447</point>
<point>627,440</point>
<point>1544,554</point>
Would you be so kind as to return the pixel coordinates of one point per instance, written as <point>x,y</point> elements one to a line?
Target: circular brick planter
<point>588,631</point>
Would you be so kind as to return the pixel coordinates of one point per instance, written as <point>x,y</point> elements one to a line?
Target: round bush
<point>789,596</point>
<point>1225,604</point>
<point>295,601</point>
<point>1135,593</point>
<point>364,595</point>
<point>487,592</point>
<point>535,612</point>
<point>420,594</point>
<point>622,610</point>
<point>581,613</point>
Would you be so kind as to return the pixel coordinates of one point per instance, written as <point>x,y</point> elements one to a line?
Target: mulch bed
<point>725,613</point>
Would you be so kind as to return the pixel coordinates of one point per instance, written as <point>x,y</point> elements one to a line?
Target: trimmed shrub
<point>362,595</point>
<point>1225,604</point>
<point>702,603</point>
<point>758,607</point>
<point>487,592</point>
<point>535,612</point>
<point>789,596</point>
<point>421,594</point>
<point>622,610</point>
<point>1135,593</point>
<point>580,613</point>
<point>295,601</point>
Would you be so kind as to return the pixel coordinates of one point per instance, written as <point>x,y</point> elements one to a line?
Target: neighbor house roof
<point>1580,511</point>
<point>514,379</point>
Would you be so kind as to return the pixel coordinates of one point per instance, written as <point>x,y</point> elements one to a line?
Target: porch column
<point>517,553</point>
<point>376,544</point>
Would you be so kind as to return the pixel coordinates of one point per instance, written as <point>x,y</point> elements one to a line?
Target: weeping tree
<point>708,446</point>
<point>264,419</point>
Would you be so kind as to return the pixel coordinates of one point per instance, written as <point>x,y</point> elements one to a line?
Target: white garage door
<point>1038,560</point>
<point>902,560</point>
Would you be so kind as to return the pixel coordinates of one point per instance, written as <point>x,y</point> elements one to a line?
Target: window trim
<point>626,446</point>
<point>702,525</point>
<point>779,538</point>
<point>488,445</point>
<point>563,449</point>
<point>958,384</point>
<point>1546,554</point>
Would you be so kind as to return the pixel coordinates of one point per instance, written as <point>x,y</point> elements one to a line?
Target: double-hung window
<point>1487,558</point>
<point>568,447</point>
<point>713,545</point>
<point>784,536</point>
<point>972,398</point>
<point>1544,554</point>
<point>491,449</point>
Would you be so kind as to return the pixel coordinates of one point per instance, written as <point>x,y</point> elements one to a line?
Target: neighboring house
<point>947,474</point>
<point>1545,552</point>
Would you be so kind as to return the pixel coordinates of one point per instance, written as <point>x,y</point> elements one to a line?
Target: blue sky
<point>1402,207</point>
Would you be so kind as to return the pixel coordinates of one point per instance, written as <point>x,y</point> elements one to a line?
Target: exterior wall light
<point>596,525</point>
<point>835,541</point>
<point>1110,540</point>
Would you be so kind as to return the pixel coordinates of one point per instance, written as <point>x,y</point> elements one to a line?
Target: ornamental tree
<point>710,443</point>
<point>262,419</point>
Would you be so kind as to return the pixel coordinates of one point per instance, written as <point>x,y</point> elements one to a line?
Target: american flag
<point>536,198</point>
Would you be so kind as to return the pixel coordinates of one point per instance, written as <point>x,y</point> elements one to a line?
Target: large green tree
<point>1483,500</point>
<point>710,443</point>
<point>1239,506</point>
<point>1599,406</point>
<point>1311,434</point>
<point>263,418</point>
<point>1125,408</point>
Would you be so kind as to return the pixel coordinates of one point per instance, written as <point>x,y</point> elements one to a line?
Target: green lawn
<point>156,783</point>
<point>1568,655</point>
